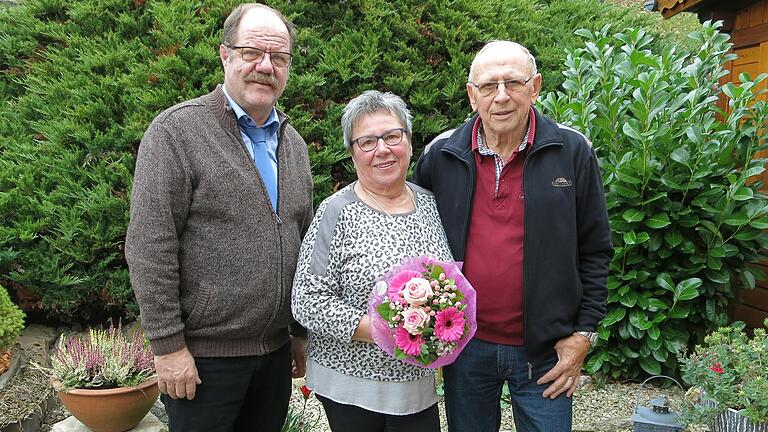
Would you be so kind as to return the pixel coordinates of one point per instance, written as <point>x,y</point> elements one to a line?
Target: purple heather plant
<point>103,359</point>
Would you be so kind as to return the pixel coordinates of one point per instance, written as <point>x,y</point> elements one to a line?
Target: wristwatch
<point>591,336</point>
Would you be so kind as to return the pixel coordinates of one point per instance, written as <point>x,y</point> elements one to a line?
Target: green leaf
<point>630,129</point>
<point>679,311</point>
<point>385,311</point>
<point>658,354</point>
<point>747,235</point>
<point>688,289</point>
<point>658,221</point>
<point>673,238</point>
<point>633,215</point>
<point>680,155</point>
<point>638,319</point>
<point>654,344</point>
<point>720,277</point>
<point>630,238</point>
<point>748,279</point>
<point>688,220</point>
<point>737,220</point>
<point>665,281</point>
<point>613,316</point>
<point>654,332</point>
<point>629,352</point>
<point>594,364</point>
<point>743,194</point>
<point>760,223</point>
<point>650,365</point>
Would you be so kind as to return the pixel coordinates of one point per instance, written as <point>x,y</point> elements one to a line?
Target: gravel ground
<point>603,408</point>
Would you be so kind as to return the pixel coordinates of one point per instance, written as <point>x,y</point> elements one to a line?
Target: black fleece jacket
<point>567,245</point>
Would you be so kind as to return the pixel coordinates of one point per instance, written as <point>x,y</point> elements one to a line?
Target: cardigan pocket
<point>199,307</point>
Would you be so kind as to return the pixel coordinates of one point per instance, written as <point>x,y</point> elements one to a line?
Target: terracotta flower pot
<point>110,410</point>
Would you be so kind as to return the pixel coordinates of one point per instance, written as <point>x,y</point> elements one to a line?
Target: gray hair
<point>232,23</point>
<point>492,43</point>
<point>369,102</point>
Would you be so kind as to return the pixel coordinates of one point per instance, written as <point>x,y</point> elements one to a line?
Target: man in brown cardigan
<point>222,196</point>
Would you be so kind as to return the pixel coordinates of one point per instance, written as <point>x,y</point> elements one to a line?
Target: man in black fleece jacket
<point>222,196</point>
<point>523,206</point>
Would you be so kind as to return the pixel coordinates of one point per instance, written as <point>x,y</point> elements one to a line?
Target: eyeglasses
<point>491,87</point>
<point>256,55</point>
<point>391,138</point>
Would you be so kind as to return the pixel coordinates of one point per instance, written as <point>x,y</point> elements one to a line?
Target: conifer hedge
<point>80,81</point>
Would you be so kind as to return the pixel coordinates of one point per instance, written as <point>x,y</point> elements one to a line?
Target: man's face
<point>255,86</point>
<point>504,112</point>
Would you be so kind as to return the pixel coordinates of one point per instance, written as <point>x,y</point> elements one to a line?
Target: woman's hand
<point>363,330</point>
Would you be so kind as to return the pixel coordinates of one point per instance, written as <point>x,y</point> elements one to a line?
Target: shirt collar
<point>244,120</point>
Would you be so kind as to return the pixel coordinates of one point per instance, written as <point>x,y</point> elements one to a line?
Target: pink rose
<point>413,319</point>
<point>417,291</point>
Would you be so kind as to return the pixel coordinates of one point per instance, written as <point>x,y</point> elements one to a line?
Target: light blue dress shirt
<point>270,127</point>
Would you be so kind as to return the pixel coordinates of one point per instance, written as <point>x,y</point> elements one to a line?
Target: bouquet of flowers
<point>423,312</point>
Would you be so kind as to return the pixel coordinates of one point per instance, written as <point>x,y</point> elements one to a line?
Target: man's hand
<point>571,352</point>
<point>177,375</point>
<point>299,356</point>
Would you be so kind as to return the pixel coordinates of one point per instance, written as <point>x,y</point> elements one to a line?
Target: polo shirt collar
<point>478,138</point>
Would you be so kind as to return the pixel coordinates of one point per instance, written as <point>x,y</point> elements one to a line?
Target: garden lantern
<point>658,417</point>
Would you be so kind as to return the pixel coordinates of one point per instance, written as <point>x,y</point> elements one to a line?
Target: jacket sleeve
<point>160,201</point>
<point>422,175</point>
<point>316,298</point>
<point>295,328</point>
<point>594,242</point>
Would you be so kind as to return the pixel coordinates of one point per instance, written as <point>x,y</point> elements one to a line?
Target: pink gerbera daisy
<point>449,324</point>
<point>410,344</point>
<point>397,283</point>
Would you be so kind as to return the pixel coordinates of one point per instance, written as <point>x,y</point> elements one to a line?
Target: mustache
<point>262,78</point>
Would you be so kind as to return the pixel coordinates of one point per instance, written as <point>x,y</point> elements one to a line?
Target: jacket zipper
<point>525,252</point>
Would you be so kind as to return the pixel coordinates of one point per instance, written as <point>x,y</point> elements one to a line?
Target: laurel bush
<point>686,209</point>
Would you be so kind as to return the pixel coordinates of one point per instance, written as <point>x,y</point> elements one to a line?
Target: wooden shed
<point>747,23</point>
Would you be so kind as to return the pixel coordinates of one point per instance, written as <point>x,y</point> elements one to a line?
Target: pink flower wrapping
<point>422,312</point>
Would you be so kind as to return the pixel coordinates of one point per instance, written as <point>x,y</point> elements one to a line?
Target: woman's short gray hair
<point>369,102</point>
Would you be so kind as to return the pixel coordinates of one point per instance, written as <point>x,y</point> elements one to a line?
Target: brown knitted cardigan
<point>211,264</point>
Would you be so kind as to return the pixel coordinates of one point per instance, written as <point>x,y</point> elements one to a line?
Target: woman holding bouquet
<point>358,234</point>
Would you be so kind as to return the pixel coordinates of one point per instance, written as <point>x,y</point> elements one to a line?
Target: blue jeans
<point>473,385</point>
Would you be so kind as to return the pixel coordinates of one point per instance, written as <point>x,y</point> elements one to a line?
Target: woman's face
<point>384,168</point>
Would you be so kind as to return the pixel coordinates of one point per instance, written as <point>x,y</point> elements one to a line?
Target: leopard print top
<point>348,246</point>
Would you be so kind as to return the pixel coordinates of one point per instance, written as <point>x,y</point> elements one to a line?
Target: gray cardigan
<point>211,264</point>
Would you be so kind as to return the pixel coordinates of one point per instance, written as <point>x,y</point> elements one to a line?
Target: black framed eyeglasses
<point>256,55</point>
<point>391,137</point>
<point>491,87</point>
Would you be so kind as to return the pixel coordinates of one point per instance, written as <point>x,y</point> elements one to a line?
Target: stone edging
<point>7,376</point>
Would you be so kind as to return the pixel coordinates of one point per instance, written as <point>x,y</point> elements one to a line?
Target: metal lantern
<point>658,417</point>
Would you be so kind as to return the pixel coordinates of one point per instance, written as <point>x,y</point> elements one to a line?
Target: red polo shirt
<point>493,261</point>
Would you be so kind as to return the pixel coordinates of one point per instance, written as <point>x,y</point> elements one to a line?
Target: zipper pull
<point>278,220</point>
<point>530,371</point>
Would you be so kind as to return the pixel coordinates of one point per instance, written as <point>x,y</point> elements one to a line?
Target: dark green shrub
<point>80,81</point>
<point>686,216</point>
<point>11,321</point>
